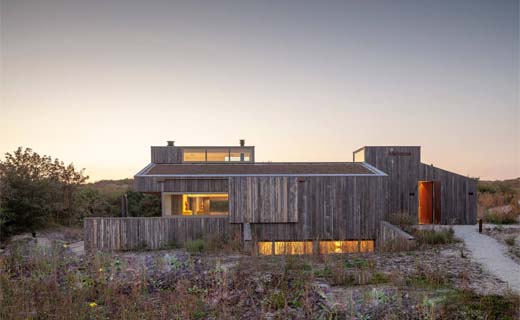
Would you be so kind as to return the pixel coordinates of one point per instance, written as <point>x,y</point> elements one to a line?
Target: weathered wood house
<point>287,207</point>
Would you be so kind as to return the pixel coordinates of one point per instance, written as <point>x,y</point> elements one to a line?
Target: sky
<point>98,82</point>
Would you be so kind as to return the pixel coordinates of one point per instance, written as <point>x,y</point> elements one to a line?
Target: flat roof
<point>261,169</point>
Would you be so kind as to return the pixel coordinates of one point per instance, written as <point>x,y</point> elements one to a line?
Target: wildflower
<point>65,245</point>
<point>92,304</point>
<point>100,269</point>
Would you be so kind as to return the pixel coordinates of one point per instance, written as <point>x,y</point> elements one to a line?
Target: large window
<point>194,155</point>
<point>223,154</point>
<point>217,155</point>
<point>201,204</point>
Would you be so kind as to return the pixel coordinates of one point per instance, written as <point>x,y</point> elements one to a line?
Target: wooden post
<point>124,205</point>
<point>480,225</point>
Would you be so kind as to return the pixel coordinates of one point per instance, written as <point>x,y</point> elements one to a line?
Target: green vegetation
<point>510,241</point>
<point>195,246</point>
<point>499,217</point>
<point>434,237</point>
<point>39,191</point>
<point>462,304</point>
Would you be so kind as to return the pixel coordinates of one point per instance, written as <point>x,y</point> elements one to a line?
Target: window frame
<point>249,150</point>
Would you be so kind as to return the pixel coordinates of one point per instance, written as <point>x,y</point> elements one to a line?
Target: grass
<point>51,284</point>
<point>500,218</point>
<point>434,237</point>
<point>462,304</point>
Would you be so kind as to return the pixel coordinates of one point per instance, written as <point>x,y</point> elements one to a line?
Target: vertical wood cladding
<point>335,208</point>
<point>112,234</point>
<point>401,164</point>
<point>263,199</point>
<point>458,195</point>
<point>404,169</point>
<point>158,184</point>
<point>166,154</point>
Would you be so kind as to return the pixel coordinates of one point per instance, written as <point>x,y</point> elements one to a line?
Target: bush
<point>510,241</point>
<point>401,219</point>
<point>195,246</point>
<point>500,218</point>
<point>36,191</point>
<point>433,237</point>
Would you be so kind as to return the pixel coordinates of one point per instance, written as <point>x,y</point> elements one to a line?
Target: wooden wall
<point>391,238</point>
<point>404,169</point>
<point>401,164</point>
<point>112,234</point>
<point>158,184</point>
<point>335,208</point>
<point>263,199</point>
<point>166,154</point>
<point>458,195</point>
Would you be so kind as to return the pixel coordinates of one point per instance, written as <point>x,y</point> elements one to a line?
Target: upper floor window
<point>209,154</point>
<point>194,155</point>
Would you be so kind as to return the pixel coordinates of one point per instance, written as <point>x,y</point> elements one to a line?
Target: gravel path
<point>490,253</point>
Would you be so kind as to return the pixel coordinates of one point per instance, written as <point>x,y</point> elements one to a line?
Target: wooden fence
<point>113,234</point>
<point>391,238</point>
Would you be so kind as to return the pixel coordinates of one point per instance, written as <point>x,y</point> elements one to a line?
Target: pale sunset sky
<point>98,82</point>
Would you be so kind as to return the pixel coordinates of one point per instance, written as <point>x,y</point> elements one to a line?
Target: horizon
<point>97,83</point>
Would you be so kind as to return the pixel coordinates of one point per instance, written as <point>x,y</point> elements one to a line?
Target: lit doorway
<point>429,202</point>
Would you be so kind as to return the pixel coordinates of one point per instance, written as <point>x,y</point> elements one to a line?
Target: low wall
<point>113,234</point>
<point>391,238</point>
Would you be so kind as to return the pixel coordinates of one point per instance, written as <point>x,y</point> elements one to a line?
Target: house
<point>289,207</point>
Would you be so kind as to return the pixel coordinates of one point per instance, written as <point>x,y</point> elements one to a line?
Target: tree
<point>36,191</point>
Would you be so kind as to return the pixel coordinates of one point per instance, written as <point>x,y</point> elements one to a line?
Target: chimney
<point>242,142</point>
<point>170,143</point>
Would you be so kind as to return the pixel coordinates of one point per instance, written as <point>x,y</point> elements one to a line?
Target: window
<point>217,155</point>
<point>240,154</point>
<point>204,204</point>
<point>284,247</point>
<point>223,154</point>
<point>194,155</point>
<point>348,246</point>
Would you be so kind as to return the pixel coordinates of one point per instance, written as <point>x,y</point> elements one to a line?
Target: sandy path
<point>490,254</point>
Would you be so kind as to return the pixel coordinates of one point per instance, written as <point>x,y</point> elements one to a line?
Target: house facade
<point>288,207</point>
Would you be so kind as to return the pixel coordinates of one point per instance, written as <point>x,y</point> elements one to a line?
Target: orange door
<point>426,202</point>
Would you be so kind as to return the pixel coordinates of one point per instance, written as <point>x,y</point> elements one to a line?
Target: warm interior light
<point>347,246</point>
<point>285,247</point>
<point>204,203</point>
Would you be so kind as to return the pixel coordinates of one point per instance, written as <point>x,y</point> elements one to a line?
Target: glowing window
<point>204,204</point>
<point>217,155</point>
<point>194,155</point>
<point>348,246</point>
<point>284,247</point>
<point>240,154</point>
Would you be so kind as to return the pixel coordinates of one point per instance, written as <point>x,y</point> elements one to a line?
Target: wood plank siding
<point>166,154</point>
<point>159,184</point>
<point>458,195</point>
<point>331,208</point>
<point>405,170</point>
<point>114,234</point>
<point>263,199</point>
<point>401,164</point>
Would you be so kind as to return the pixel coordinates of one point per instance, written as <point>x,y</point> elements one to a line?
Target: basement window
<point>347,246</point>
<point>267,248</point>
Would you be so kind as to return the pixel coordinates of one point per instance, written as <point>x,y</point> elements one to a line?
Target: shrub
<point>401,219</point>
<point>433,237</point>
<point>510,241</point>
<point>500,218</point>
<point>195,246</point>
